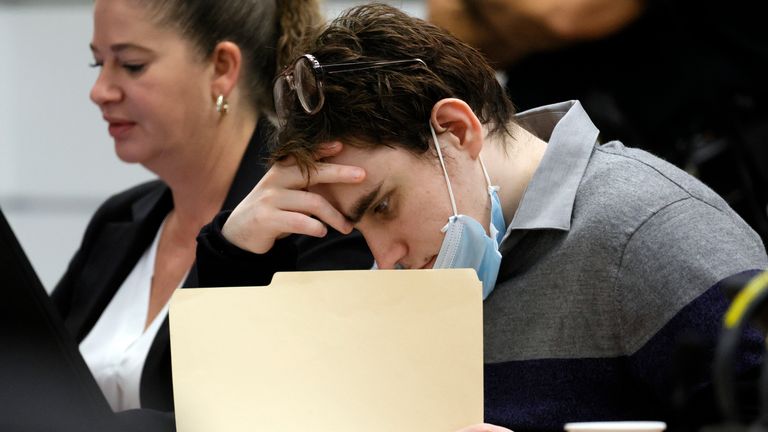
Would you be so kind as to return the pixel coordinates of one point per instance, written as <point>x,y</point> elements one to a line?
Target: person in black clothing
<point>682,79</point>
<point>186,90</point>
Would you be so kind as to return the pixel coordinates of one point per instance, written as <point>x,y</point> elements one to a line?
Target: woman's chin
<point>130,152</point>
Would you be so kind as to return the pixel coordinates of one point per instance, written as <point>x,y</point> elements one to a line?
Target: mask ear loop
<point>445,173</point>
<point>487,177</point>
<point>491,188</point>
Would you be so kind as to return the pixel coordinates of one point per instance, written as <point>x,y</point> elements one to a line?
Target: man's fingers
<point>299,223</point>
<point>291,177</point>
<point>328,150</point>
<point>335,173</point>
<point>312,204</point>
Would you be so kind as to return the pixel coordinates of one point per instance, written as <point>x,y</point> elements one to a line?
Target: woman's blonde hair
<point>267,32</point>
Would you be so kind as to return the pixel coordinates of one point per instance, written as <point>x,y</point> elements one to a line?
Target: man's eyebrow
<point>121,47</point>
<point>362,204</point>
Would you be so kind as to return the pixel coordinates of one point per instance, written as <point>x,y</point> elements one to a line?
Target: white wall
<point>7,73</point>
<point>56,159</point>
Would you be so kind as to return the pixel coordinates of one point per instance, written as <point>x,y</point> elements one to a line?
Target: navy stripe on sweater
<point>658,382</point>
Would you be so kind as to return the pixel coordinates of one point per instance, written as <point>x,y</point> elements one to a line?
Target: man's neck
<point>511,162</point>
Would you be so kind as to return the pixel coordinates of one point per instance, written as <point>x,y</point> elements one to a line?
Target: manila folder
<point>330,351</point>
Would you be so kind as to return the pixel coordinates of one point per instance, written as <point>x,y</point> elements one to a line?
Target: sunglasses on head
<point>305,78</point>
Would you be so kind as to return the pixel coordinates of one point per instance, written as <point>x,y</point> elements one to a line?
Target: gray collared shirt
<point>607,245</point>
<point>571,138</point>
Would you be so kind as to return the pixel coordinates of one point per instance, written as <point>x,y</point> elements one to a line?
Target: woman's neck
<point>200,183</point>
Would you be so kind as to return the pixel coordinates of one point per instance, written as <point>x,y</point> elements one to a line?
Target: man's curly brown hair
<point>392,105</point>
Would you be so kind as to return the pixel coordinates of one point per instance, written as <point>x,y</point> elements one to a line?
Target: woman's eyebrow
<point>116,48</point>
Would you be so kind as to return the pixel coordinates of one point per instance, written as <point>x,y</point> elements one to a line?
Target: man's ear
<point>227,61</point>
<point>457,118</point>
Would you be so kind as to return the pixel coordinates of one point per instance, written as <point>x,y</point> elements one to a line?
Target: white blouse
<point>117,346</point>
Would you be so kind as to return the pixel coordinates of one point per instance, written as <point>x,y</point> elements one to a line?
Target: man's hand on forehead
<point>282,204</point>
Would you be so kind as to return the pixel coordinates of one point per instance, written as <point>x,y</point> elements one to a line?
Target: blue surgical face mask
<point>466,243</point>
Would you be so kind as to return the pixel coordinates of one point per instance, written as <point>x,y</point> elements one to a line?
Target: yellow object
<point>745,297</point>
<point>374,351</point>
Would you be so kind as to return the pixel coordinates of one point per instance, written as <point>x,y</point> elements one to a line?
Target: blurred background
<point>56,159</point>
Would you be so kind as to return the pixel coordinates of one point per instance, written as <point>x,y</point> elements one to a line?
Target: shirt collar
<point>571,136</point>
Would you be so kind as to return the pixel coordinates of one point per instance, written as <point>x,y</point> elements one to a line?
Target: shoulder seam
<point>681,187</point>
<point>616,296</point>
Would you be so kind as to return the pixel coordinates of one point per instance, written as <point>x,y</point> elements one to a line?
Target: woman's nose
<point>105,89</point>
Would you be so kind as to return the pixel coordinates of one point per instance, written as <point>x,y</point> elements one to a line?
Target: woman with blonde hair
<point>186,89</point>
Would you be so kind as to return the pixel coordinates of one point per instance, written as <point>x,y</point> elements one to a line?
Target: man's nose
<point>387,252</point>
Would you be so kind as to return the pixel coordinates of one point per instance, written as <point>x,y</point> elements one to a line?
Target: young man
<point>595,259</point>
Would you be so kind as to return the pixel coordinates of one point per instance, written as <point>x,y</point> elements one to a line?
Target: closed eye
<point>133,68</point>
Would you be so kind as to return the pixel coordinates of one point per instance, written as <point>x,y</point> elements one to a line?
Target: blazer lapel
<point>112,264</point>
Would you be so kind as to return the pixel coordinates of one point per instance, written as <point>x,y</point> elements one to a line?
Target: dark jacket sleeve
<point>220,263</point>
<point>118,208</point>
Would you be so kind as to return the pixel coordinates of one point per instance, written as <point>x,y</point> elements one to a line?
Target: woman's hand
<point>485,428</point>
<point>280,204</point>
